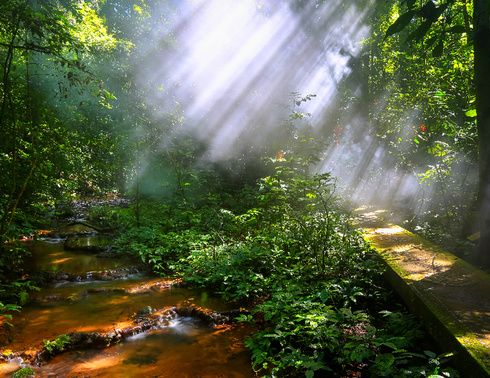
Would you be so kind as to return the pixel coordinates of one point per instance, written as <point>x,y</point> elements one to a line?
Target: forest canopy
<point>153,98</point>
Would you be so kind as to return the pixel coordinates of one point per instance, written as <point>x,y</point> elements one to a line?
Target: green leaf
<point>410,3</point>
<point>430,354</point>
<point>23,297</point>
<point>385,359</point>
<point>420,32</point>
<point>400,23</point>
<point>431,41</point>
<point>457,29</point>
<point>324,295</point>
<point>437,52</point>
<point>439,94</point>
<point>471,113</point>
<point>390,345</point>
<point>309,373</point>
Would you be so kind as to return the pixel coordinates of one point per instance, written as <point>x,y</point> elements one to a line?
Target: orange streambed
<point>186,347</point>
<point>182,350</point>
<point>50,255</point>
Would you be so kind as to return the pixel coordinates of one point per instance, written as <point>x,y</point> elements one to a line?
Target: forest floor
<point>450,296</point>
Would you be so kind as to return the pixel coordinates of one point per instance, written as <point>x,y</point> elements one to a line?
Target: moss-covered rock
<point>24,372</point>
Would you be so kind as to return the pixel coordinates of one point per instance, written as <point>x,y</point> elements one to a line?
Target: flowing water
<point>91,299</point>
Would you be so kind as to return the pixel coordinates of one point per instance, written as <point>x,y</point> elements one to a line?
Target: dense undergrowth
<point>14,287</point>
<point>285,249</point>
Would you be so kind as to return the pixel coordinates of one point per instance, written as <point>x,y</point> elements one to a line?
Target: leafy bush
<point>4,311</point>
<point>312,280</point>
<point>58,344</point>
<point>159,250</point>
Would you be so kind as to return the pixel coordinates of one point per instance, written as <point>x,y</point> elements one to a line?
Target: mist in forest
<point>233,72</point>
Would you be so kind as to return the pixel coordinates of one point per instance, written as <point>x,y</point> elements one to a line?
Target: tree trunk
<point>481,22</point>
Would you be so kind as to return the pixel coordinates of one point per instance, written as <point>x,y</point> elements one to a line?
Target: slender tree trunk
<point>138,168</point>
<point>21,192</point>
<point>481,22</point>
<point>6,72</point>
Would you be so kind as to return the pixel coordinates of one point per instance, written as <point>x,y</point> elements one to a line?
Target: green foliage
<point>14,289</point>
<point>4,311</point>
<point>305,334</point>
<point>90,29</point>
<point>420,100</point>
<point>157,249</point>
<point>294,254</point>
<point>11,254</point>
<point>104,216</point>
<point>57,345</point>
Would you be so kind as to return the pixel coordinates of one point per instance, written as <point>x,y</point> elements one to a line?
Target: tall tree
<point>481,25</point>
<point>47,58</point>
<point>429,25</point>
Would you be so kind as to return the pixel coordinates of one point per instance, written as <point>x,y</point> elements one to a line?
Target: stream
<point>146,326</point>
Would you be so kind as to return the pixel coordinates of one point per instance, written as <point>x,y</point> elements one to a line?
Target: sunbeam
<point>239,61</point>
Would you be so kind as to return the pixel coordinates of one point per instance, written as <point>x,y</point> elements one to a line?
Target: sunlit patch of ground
<point>455,291</point>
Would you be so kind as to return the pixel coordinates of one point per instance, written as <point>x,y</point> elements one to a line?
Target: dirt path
<point>451,296</point>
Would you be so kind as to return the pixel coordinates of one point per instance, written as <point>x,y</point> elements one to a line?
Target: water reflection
<point>187,351</point>
<point>51,256</point>
<point>185,347</point>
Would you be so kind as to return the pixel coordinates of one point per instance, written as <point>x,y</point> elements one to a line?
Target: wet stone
<point>141,360</point>
<point>145,311</point>
<point>90,243</point>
